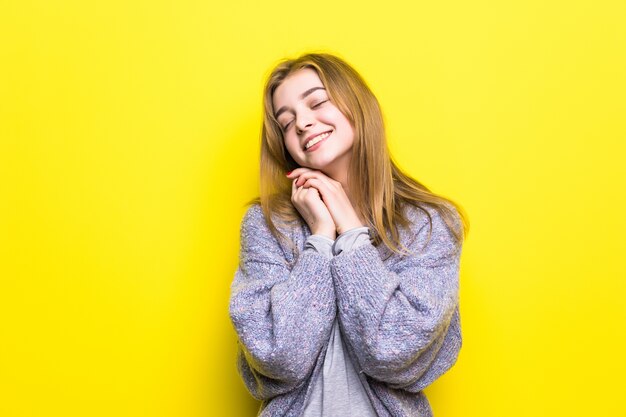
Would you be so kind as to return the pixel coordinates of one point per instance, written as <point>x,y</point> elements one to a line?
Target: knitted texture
<point>399,317</point>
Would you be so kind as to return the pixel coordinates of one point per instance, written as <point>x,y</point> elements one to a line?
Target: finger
<point>312,195</point>
<point>313,183</point>
<point>295,190</point>
<point>323,179</point>
<point>298,171</point>
<point>319,187</point>
<point>309,174</point>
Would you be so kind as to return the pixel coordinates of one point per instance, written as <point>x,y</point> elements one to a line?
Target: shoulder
<point>255,231</point>
<point>427,216</point>
<point>254,223</point>
<point>257,242</point>
<point>253,215</point>
<point>429,226</point>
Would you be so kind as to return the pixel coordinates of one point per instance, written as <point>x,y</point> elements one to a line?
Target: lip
<point>313,136</point>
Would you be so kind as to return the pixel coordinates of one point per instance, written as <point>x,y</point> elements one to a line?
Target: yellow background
<point>129,144</point>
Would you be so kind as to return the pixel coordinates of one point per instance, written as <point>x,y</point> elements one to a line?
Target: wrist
<point>326,233</point>
<point>345,228</point>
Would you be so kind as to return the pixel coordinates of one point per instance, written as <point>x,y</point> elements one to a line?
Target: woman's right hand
<point>309,204</point>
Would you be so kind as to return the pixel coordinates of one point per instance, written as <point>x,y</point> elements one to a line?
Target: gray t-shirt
<point>338,391</point>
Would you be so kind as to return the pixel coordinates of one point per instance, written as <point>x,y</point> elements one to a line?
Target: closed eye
<point>313,107</point>
<point>319,104</point>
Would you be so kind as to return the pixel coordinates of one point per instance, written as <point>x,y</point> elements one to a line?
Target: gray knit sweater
<point>399,314</point>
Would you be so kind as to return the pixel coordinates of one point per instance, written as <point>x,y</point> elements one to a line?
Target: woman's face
<point>307,117</point>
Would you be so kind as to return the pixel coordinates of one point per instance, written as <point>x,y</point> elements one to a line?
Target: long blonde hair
<point>379,188</point>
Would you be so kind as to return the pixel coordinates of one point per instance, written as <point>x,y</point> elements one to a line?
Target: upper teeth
<point>316,139</point>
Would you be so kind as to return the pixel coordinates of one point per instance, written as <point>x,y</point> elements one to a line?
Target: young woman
<point>346,298</point>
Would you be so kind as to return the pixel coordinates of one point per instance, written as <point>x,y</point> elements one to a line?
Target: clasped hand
<point>322,202</point>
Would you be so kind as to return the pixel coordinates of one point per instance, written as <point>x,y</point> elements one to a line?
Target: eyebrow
<point>302,96</point>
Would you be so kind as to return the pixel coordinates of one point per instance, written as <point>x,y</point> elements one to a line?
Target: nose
<point>303,121</point>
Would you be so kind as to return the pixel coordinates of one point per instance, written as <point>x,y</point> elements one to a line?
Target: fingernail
<point>289,173</point>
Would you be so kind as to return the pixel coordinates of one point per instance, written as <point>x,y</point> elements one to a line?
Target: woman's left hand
<point>333,195</point>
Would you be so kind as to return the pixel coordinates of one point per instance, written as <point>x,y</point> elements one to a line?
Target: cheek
<point>339,118</point>
<point>332,113</point>
<point>291,145</point>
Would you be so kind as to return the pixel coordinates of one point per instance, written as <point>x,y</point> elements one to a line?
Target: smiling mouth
<point>319,138</point>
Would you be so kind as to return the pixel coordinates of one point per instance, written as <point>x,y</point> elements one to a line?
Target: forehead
<point>294,85</point>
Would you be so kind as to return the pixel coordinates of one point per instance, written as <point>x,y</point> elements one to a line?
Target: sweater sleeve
<point>403,322</point>
<point>282,315</point>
